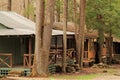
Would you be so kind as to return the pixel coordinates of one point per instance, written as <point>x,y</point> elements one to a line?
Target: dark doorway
<point>96,52</point>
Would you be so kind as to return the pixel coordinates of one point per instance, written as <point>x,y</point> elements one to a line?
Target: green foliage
<point>59,8</point>
<point>58,5</point>
<point>103,15</point>
<point>70,10</point>
<point>29,11</point>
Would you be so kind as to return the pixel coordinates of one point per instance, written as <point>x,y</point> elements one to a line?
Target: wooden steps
<point>15,73</point>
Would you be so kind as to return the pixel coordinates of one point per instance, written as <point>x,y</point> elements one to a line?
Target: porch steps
<point>15,71</point>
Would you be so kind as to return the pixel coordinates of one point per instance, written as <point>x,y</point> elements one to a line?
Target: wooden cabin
<point>116,48</point>
<point>17,39</point>
<point>89,47</point>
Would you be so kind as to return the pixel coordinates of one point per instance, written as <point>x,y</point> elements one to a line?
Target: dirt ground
<point>112,73</point>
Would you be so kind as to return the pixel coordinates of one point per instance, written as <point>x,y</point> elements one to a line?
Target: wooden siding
<point>16,46</point>
<point>91,49</point>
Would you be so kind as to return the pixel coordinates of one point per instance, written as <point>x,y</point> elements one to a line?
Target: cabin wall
<point>86,45</point>
<point>17,46</point>
<point>96,49</point>
<point>57,42</point>
<point>11,45</point>
<point>116,50</point>
<point>91,49</point>
<point>71,42</point>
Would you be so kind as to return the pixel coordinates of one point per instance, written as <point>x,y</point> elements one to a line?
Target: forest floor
<point>112,73</point>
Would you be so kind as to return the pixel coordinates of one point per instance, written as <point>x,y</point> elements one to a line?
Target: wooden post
<point>11,60</point>
<point>24,61</point>
<point>30,47</point>
<point>56,48</point>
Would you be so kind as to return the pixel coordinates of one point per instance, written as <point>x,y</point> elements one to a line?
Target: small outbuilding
<point>17,39</point>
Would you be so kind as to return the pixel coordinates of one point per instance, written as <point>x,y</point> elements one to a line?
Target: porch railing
<point>28,60</point>
<point>6,60</point>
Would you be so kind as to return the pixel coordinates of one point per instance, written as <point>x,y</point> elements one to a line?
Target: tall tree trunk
<point>37,64</point>
<point>43,37</point>
<point>110,40</point>
<point>110,47</point>
<point>9,5</point>
<point>81,33</point>
<point>48,31</point>
<point>100,45</point>
<point>64,35</point>
<point>101,37</point>
<point>76,28</point>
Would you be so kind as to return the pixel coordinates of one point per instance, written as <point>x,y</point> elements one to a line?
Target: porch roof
<point>60,32</point>
<point>12,23</point>
<point>16,24</point>
<point>116,39</point>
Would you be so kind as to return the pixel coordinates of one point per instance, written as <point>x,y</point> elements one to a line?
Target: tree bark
<point>110,40</point>
<point>43,37</point>
<point>100,44</point>
<point>37,64</point>
<point>48,32</point>
<point>9,5</point>
<point>64,35</point>
<point>101,38</point>
<point>76,29</point>
<point>81,33</point>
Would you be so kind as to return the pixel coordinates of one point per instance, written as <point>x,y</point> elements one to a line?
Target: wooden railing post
<point>7,57</point>
<point>27,60</point>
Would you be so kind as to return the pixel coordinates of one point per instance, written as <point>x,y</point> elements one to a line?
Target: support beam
<point>30,48</point>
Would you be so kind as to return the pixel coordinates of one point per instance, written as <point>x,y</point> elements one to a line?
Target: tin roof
<point>59,32</point>
<point>12,23</point>
<point>16,24</point>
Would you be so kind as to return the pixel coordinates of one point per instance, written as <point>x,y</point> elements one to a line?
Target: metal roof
<point>59,32</point>
<point>12,32</point>
<point>12,24</point>
<point>19,25</point>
